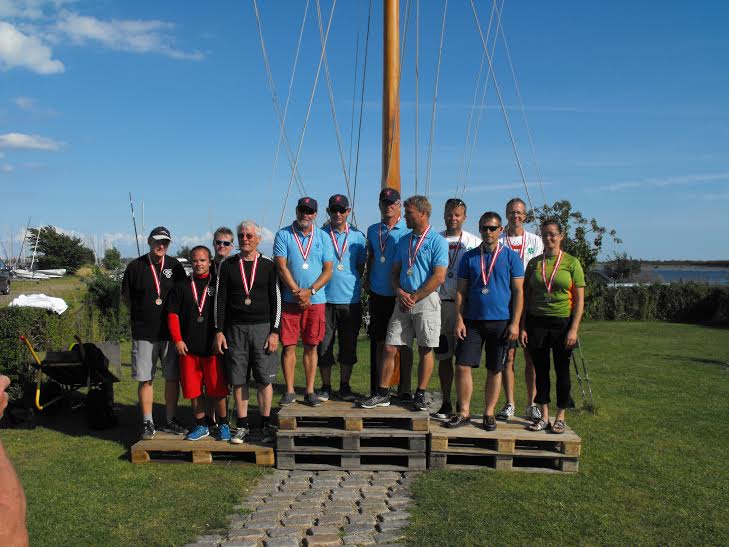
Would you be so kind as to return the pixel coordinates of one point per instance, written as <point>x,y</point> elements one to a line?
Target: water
<point>675,275</point>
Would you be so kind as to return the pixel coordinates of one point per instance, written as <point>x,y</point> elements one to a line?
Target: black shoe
<point>444,412</point>
<point>375,400</point>
<point>346,393</point>
<point>458,420</point>
<point>287,399</point>
<point>311,399</point>
<point>419,402</point>
<point>405,397</point>
<point>324,394</point>
<point>489,423</point>
<point>147,433</point>
<point>173,426</point>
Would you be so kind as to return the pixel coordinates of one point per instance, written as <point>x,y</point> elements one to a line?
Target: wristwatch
<point>313,291</point>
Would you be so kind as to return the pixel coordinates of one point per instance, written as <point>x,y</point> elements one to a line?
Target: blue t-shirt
<point>433,252</point>
<point>493,306</point>
<point>379,272</point>
<point>345,286</point>
<point>285,245</point>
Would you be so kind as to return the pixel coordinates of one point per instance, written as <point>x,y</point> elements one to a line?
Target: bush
<point>622,267</point>
<point>107,316</point>
<point>112,259</point>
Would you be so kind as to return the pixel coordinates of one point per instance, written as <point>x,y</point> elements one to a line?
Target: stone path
<point>310,508</point>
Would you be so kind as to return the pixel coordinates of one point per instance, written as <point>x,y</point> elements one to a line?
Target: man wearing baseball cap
<point>344,298</point>
<point>147,282</point>
<point>305,262</point>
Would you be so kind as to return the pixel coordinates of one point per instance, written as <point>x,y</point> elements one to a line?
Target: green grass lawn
<point>71,288</point>
<point>652,469</point>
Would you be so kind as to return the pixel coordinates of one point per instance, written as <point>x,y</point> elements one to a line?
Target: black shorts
<point>480,333</point>
<point>547,332</point>
<point>381,308</point>
<point>343,322</point>
<point>246,355</point>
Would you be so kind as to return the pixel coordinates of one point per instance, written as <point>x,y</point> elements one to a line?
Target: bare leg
<point>491,391</point>
<point>265,396</point>
<point>425,366</point>
<point>445,374</point>
<point>172,393</point>
<point>240,394</point>
<point>560,414</point>
<point>198,407</point>
<point>310,361</point>
<point>508,378</point>
<point>388,365</point>
<point>288,363</point>
<point>146,397</point>
<point>219,406</point>
<point>545,412</point>
<point>464,388</point>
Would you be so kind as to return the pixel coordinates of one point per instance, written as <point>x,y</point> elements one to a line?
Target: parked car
<point>4,278</point>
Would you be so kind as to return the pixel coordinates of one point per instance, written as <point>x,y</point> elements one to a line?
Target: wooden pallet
<point>166,447</point>
<point>369,460</point>
<point>349,417</point>
<point>329,440</point>
<point>510,447</point>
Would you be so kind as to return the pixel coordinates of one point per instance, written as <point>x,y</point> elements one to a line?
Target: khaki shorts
<point>447,330</point>
<point>145,355</point>
<point>422,322</point>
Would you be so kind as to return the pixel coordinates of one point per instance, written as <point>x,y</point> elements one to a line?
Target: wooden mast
<point>391,96</point>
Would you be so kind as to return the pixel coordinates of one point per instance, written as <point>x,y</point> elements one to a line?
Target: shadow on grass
<point>692,359</point>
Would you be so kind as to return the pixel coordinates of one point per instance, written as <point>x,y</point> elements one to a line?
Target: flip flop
<point>541,425</point>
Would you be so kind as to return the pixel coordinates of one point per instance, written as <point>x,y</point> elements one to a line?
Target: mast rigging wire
<point>417,88</point>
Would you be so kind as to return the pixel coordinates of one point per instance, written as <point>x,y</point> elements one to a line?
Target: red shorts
<point>196,371</point>
<point>309,323</point>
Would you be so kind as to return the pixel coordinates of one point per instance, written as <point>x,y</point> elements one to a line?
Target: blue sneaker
<point>224,432</point>
<point>198,432</point>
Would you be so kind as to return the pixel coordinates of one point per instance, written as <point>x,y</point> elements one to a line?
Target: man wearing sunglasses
<point>459,242</point>
<point>305,262</point>
<point>148,280</point>
<point>488,309</point>
<point>248,327</point>
<point>382,240</point>
<point>344,298</point>
<point>222,244</point>
<point>527,245</point>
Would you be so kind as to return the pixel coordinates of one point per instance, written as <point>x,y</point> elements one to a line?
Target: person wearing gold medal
<point>344,298</point>
<point>554,289</point>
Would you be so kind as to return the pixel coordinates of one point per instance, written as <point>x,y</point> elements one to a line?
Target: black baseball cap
<point>389,194</point>
<point>309,203</point>
<point>160,233</point>
<point>339,200</point>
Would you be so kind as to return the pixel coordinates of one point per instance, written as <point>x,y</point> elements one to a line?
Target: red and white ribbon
<point>452,259</point>
<point>200,304</point>
<point>523,244</point>
<point>304,253</point>
<point>248,287</point>
<point>336,244</point>
<point>156,277</point>
<point>412,256</point>
<point>486,276</point>
<point>554,272</point>
<point>383,244</point>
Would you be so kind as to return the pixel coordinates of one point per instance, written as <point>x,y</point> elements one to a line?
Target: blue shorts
<point>486,335</point>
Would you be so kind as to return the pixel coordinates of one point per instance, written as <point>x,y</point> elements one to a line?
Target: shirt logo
<point>211,291</point>
<point>167,273</point>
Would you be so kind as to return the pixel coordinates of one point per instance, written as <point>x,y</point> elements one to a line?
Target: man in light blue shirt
<point>304,261</point>
<point>344,298</point>
<point>419,268</point>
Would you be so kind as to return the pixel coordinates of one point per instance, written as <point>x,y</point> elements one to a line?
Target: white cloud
<point>28,9</point>
<point>6,168</point>
<point>29,104</point>
<point>21,141</point>
<point>25,51</point>
<point>138,36</point>
<point>666,181</point>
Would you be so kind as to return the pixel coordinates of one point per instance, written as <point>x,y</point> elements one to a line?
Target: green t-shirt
<point>568,277</point>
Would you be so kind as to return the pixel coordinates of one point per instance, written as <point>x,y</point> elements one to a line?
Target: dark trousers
<point>547,334</point>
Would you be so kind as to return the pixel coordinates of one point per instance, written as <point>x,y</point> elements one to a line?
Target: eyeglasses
<point>246,236</point>
<point>306,211</point>
<point>340,210</point>
<point>219,242</point>
<point>485,228</point>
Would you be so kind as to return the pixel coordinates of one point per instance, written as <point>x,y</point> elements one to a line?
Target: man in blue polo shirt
<point>344,298</point>
<point>304,261</point>
<point>382,240</point>
<point>419,269</point>
<point>488,309</point>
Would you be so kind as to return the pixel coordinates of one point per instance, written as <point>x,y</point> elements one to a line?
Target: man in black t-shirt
<point>147,282</point>
<point>248,325</point>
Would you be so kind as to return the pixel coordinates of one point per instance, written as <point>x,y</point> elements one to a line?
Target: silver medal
<point>340,267</point>
<point>200,319</point>
<point>548,299</point>
<point>382,259</point>
<point>247,301</point>
<point>158,301</point>
<point>485,290</point>
<point>410,271</point>
<point>305,266</point>
<point>450,275</point>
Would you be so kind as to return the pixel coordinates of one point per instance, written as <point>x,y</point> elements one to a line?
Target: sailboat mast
<point>391,97</point>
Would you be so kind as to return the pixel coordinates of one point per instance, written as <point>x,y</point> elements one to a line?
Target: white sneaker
<point>533,413</point>
<point>240,436</point>
<point>506,412</point>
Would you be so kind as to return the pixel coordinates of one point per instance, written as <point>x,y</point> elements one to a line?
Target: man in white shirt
<point>459,242</point>
<point>527,245</point>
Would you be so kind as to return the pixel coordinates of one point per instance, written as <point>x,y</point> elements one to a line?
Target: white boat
<point>28,274</point>
<point>59,272</point>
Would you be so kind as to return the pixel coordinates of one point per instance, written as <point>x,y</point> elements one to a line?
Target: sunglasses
<point>340,210</point>
<point>246,236</point>
<point>485,228</point>
<point>306,211</point>
<point>219,242</point>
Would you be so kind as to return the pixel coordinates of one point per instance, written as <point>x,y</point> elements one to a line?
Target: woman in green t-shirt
<point>554,296</point>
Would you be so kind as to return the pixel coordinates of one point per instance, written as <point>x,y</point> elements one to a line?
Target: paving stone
<point>341,502</point>
<point>392,525</point>
<point>341,510</point>
<point>300,473</point>
<point>255,528</point>
<point>203,544</point>
<point>239,544</point>
<point>210,538</point>
<point>313,497</point>
<point>286,532</point>
<point>373,492</point>
<point>246,535</point>
<point>358,539</point>
<point>331,519</point>
<point>323,540</point>
<point>392,516</point>
<point>400,503</point>
<point>388,537</point>
<point>273,514</point>
<point>304,512</point>
<point>362,518</point>
<point>358,528</point>
<point>281,542</point>
<point>302,520</point>
<point>322,530</point>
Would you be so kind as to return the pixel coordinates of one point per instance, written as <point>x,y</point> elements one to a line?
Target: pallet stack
<point>166,447</point>
<point>510,448</point>
<point>340,435</point>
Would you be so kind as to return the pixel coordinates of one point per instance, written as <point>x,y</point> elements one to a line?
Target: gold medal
<point>247,301</point>
<point>158,301</point>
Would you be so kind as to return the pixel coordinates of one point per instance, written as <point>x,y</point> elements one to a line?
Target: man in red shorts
<point>192,329</point>
<point>305,260</point>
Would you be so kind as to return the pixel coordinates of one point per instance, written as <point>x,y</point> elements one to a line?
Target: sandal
<point>558,426</point>
<point>541,425</point>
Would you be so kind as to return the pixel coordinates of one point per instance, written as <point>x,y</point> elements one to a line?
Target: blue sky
<point>626,102</point>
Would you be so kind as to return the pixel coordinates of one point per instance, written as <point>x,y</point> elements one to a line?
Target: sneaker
<point>444,412</point>
<point>287,399</point>
<point>198,432</point>
<point>419,402</point>
<point>506,412</point>
<point>489,423</point>
<point>268,434</point>
<point>173,426</point>
<point>224,432</point>
<point>533,413</point>
<point>346,393</point>
<point>373,401</point>
<point>405,397</point>
<point>240,435</point>
<point>147,433</point>
<point>324,394</point>
<point>311,399</point>
<point>458,420</point>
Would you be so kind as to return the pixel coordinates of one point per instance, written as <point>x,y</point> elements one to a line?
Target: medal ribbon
<point>554,272</point>
<point>200,305</point>
<point>411,259</point>
<point>156,277</point>
<point>523,244</point>
<point>452,259</point>
<point>486,277</point>
<point>336,244</point>
<point>247,288</point>
<point>383,244</point>
<point>304,253</point>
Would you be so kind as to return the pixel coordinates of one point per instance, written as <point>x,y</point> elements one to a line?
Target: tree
<point>622,266</point>
<point>112,259</point>
<point>184,252</point>
<point>57,250</point>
